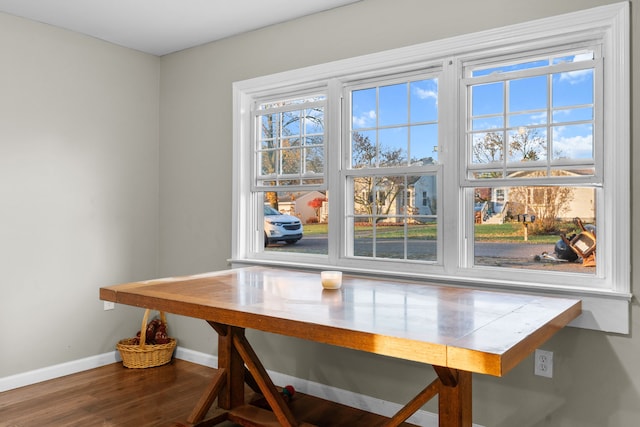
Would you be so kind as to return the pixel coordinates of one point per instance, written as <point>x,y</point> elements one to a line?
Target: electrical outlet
<point>543,363</point>
<point>108,305</point>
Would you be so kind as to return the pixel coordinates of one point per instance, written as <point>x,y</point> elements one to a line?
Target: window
<point>289,143</point>
<point>531,123</point>
<point>534,118</point>
<point>472,160</point>
<point>392,127</point>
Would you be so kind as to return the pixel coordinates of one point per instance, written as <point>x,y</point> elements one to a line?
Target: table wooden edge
<point>500,364</point>
<point>461,358</point>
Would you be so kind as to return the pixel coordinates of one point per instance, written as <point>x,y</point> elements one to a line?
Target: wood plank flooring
<point>163,396</point>
<point>108,396</point>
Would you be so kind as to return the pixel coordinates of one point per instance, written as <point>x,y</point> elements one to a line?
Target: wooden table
<point>458,331</point>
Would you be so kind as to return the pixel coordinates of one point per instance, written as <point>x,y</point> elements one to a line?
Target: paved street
<point>513,255</point>
<point>318,244</point>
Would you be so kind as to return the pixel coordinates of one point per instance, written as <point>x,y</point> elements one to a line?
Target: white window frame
<point>606,298</point>
<point>278,176</point>
<point>347,173</point>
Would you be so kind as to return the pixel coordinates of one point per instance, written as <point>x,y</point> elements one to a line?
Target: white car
<point>280,227</point>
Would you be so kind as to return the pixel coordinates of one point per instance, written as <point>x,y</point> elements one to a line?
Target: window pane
<point>537,131</point>
<point>281,150</point>
<point>395,217</point>
<point>291,102</point>
<point>390,242</point>
<point>314,141</point>
<point>314,121</point>
<point>573,88</point>
<point>393,108</point>
<point>424,144</point>
<point>585,56</point>
<point>522,227</point>
<point>296,222</point>
<point>531,119</point>
<point>314,160</point>
<point>487,99</point>
<point>364,152</point>
<point>270,126</point>
<point>291,162</point>
<point>312,181</point>
<point>573,142</point>
<point>573,171</point>
<point>487,123</point>
<point>488,174</point>
<point>424,101</point>
<point>528,145</point>
<point>291,123</point>
<point>487,147</point>
<point>381,135</point>
<point>572,115</point>
<point>364,108</point>
<point>528,94</point>
<point>386,147</point>
<point>362,236</point>
<point>268,161</point>
<point>518,173</point>
<point>393,146</point>
<point>510,67</point>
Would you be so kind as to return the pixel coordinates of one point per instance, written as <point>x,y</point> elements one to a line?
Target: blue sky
<point>409,112</point>
<point>406,110</point>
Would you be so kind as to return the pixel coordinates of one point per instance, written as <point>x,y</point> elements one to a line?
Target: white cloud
<point>575,77</point>
<point>366,119</point>
<point>426,94</point>
<point>574,147</point>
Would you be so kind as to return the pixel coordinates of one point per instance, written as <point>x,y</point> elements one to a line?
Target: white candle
<point>331,279</point>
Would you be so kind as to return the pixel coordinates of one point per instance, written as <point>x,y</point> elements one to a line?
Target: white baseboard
<point>57,371</point>
<point>356,400</point>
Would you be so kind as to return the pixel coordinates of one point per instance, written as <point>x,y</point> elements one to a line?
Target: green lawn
<point>507,233</point>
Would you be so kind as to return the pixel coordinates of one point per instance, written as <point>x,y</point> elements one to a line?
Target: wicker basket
<point>145,355</point>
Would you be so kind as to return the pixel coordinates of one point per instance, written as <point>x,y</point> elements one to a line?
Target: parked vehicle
<point>279,227</point>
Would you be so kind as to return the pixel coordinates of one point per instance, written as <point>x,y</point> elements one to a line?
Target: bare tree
<point>546,203</point>
<point>527,145</point>
<point>285,151</point>
<point>489,148</point>
<point>375,196</point>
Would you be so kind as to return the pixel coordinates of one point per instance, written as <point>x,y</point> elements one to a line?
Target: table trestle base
<point>238,365</point>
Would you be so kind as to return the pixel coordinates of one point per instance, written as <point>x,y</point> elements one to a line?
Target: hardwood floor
<point>108,396</point>
<point>163,396</point>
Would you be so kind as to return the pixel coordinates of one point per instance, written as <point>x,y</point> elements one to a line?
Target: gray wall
<point>597,379</point>
<point>116,166</point>
<point>78,190</point>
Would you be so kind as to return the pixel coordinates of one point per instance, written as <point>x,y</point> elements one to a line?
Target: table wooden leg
<point>234,351</point>
<point>453,389</point>
<point>416,403</point>
<point>454,398</point>
<point>261,377</point>
<point>231,392</point>
<point>208,397</point>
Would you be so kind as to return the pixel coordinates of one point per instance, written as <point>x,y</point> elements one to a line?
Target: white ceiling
<point>160,27</point>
